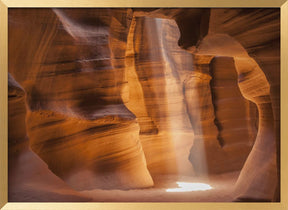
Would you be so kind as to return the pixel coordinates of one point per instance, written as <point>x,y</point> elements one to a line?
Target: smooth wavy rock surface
<point>29,177</point>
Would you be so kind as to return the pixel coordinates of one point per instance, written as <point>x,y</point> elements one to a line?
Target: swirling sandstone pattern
<point>82,102</point>
<point>28,174</point>
<point>116,97</point>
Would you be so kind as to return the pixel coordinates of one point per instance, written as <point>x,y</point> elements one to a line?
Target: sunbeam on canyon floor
<point>189,187</point>
<point>171,188</point>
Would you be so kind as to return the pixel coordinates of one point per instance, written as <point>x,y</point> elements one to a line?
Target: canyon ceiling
<point>112,99</point>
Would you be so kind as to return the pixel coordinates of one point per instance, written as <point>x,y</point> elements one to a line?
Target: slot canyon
<point>144,105</point>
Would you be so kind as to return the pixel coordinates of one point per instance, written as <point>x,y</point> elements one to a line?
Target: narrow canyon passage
<point>143,105</point>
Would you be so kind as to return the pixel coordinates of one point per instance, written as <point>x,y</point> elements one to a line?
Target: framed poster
<point>169,105</point>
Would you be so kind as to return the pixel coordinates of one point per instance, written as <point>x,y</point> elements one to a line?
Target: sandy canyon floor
<point>221,190</point>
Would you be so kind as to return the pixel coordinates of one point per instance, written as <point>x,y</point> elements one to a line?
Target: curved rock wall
<point>258,31</point>
<point>159,75</point>
<point>223,137</point>
<point>74,94</point>
<point>29,177</point>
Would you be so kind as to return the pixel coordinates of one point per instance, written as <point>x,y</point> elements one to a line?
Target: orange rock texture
<point>114,98</point>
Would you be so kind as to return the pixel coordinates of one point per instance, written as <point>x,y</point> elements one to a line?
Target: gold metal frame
<point>5,4</point>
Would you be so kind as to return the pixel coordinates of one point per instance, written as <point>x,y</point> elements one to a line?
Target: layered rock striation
<point>29,176</point>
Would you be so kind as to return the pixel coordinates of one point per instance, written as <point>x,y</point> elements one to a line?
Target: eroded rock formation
<point>117,97</point>
<point>29,177</point>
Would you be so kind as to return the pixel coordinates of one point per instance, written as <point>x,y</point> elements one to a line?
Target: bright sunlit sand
<point>189,187</point>
<point>171,188</point>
